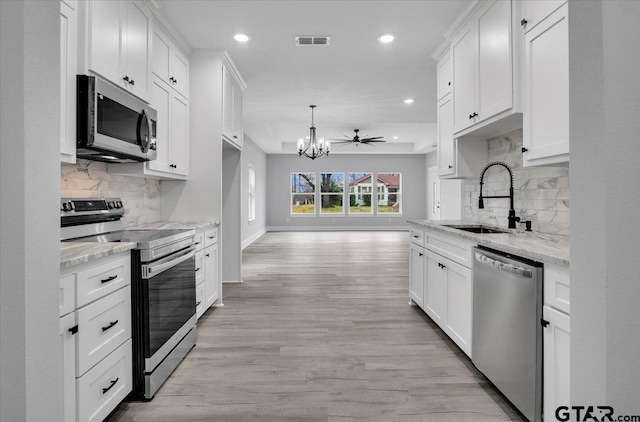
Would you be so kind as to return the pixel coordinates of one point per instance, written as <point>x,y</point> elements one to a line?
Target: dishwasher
<point>507,334</point>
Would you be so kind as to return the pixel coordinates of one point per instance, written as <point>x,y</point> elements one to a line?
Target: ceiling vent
<point>312,40</point>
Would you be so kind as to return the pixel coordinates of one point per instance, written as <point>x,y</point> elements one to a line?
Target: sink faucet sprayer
<point>512,213</point>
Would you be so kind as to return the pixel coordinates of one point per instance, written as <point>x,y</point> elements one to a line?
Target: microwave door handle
<point>145,141</point>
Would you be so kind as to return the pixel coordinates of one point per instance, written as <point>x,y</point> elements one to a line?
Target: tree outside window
<point>360,190</point>
<point>303,193</point>
<point>331,193</point>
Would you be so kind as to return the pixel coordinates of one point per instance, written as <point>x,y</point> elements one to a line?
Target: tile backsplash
<point>541,194</point>
<point>141,197</point>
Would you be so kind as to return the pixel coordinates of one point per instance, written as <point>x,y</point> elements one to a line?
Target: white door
<point>416,274</point>
<point>180,135</point>
<point>137,48</point>
<point>212,287</point>
<point>534,11</point>
<point>446,143</point>
<point>458,304</point>
<point>161,101</point>
<point>435,278</point>
<point>433,194</point>
<point>463,50</point>
<point>106,42</point>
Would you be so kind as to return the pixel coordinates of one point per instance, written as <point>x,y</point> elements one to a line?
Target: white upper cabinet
<point>485,59</point>
<point>446,143</point>
<point>534,11</point>
<point>231,108</point>
<point>68,71</point>
<point>168,63</point>
<point>546,91</point>
<point>445,76</point>
<point>119,39</point>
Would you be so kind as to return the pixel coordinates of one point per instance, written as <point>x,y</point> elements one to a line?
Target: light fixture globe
<point>316,147</point>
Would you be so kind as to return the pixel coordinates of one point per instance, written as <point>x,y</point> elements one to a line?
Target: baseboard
<point>335,228</point>
<point>253,238</point>
<point>232,281</point>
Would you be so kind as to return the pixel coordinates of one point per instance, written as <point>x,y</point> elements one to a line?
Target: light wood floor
<point>321,330</point>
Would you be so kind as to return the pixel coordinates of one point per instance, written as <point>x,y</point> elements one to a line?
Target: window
<point>331,193</point>
<point>389,191</point>
<point>252,193</point>
<point>360,188</point>
<point>303,193</point>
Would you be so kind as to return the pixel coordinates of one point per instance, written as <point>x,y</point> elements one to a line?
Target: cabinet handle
<point>450,166</point>
<point>449,84</point>
<point>524,149</point>
<point>198,269</point>
<point>132,82</point>
<point>235,137</point>
<point>74,329</point>
<point>104,390</point>
<point>420,254</point>
<point>175,81</point>
<point>207,255</point>
<point>212,237</point>
<point>471,116</point>
<point>196,243</point>
<point>108,279</point>
<point>441,265</point>
<point>109,326</point>
<point>474,114</point>
<point>198,303</point>
<point>126,79</point>
<point>523,22</point>
<point>544,322</point>
<point>416,236</point>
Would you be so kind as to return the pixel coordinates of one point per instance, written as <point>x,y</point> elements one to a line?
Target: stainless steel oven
<point>112,125</point>
<point>163,284</point>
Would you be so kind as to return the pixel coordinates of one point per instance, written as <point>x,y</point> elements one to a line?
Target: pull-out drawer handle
<point>207,255</point>
<point>212,237</point>
<point>416,236</point>
<point>104,390</point>
<point>109,326</point>
<point>108,279</point>
<point>198,303</point>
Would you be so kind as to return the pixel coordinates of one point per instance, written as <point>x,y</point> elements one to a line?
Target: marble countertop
<point>198,226</point>
<point>542,247</point>
<point>76,253</point>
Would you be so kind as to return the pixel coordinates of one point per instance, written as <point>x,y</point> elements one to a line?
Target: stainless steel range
<point>162,286</point>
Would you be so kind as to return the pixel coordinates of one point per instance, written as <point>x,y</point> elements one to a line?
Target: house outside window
<point>303,193</point>
<point>331,193</point>
<point>389,193</point>
<point>360,188</point>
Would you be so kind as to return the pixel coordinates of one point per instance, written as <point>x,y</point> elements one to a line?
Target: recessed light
<point>408,101</point>
<point>241,37</point>
<point>386,38</point>
<point>395,137</point>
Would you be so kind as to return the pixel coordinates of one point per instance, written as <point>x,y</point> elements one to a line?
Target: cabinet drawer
<point>198,241</point>
<point>103,279</point>
<point>67,294</point>
<point>101,389</point>
<point>556,289</point>
<point>199,267</point>
<point>102,327</point>
<point>210,237</point>
<point>201,306</point>
<point>416,236</point>
<point>455,250</point>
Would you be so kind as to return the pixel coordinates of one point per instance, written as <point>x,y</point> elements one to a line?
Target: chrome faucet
<point>512,213</point>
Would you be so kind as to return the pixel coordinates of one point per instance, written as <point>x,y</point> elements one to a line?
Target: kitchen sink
<point>477,229</point>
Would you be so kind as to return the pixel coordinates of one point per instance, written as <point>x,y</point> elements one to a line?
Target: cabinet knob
<point>420,254</point>
<point>132,82</point>
<point>207,255</point>
<point>449,84</point>
<point>523,22</point>
<point>544,322</point>
<point>126,79</point>
<point>474,114</point>
<point>198,303</point>
<point>450,166</point>
<point>524,149</point>
<point>235,137</point>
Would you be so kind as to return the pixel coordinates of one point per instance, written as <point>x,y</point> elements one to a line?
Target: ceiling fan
<point>358,140</point>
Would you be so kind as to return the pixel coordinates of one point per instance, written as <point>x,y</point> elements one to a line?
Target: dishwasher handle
<point>503,266</point>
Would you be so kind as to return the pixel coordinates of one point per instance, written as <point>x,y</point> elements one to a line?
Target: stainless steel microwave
<point>113,126</point>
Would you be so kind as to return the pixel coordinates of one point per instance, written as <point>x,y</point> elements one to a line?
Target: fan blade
<point>342,140</point>
<point>375,137</point>
<point>372,140</point>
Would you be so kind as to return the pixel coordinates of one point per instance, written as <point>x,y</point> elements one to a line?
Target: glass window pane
<point>389,193</point>
<point>303,203</point>
<point>331,204</point>
<point>303,182</point>
<point>331,182</point>
<point>360,187</point>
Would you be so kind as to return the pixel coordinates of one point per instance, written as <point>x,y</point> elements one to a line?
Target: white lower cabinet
<point>207,279</point>
<point>95,335</point>
<point>101,389</point>
<point>556,342</point>
<point>447,285</point>
<point>416,274</point>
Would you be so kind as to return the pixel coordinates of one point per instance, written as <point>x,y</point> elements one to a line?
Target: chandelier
<point>316,147</point>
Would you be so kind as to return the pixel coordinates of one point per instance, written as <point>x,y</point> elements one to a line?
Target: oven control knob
<point>111,205</point>
<point>67,206</point>
<point>118,204</point>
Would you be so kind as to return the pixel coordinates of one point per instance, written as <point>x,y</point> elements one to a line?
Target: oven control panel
<point>88,206</point>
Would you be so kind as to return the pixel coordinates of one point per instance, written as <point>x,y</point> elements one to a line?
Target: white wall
<point>30,352</point>
<point>605,203</point>
<point>280,167</point>
<point>252,154</point>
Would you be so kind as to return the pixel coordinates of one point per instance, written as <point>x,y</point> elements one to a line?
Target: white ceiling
<point>356,82</point>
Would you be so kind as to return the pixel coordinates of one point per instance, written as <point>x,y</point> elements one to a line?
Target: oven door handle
<point>154,269</point>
